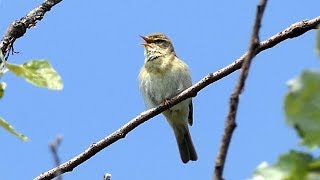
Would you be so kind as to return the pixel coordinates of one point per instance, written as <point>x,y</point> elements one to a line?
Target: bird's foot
<point>167,102</point>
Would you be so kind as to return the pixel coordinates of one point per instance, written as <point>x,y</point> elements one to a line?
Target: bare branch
<point>54,145</point>
<point>107,176</point>
<point>18,28</point>
<point>234,98</point>
<point>294,30</point>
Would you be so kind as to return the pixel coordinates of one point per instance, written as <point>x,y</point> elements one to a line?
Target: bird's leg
<point>167,102</point>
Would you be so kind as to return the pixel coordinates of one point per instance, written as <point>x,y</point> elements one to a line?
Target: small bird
<point>162,77</point>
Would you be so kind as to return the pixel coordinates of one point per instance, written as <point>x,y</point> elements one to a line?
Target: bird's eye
<point>159,41</point>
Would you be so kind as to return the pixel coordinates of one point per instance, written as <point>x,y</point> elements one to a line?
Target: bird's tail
<point>184,141</point>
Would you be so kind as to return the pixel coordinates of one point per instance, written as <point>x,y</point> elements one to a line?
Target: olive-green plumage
<point>163,76</point>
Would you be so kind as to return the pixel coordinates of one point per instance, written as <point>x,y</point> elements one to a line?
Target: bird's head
<point>157,45</point>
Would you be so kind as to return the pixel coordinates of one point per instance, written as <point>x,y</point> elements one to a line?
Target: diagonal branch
<point>234,98</point>
<point>18,28</point>
<point>294,30</point>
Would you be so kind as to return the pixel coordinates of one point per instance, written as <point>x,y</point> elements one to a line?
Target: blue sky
<point>95,48</point>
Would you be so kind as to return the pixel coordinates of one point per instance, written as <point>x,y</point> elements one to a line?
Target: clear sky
<point>94,45</point>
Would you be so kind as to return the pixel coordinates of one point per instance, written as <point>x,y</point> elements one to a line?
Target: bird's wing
<point>190,116</point>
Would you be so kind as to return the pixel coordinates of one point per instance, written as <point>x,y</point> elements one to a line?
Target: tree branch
<point>234,98</point>
<point>294,30</point>
<point>18,28</point>
<point>54,145</point>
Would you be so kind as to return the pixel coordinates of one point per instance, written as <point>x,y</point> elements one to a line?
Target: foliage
<point>302,107</point>
<point>9,128</point>
<point>37,72</point>
<point>302,110</point>
<point>290,166</point>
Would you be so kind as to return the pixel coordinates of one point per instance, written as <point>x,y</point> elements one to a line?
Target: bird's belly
<point>162,87</point>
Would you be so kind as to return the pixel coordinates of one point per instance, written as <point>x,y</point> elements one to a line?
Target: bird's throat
<point>159,64</point>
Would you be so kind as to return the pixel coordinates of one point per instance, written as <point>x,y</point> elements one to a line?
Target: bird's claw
<point>167,102</point>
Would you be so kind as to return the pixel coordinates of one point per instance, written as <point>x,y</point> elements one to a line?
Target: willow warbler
<point>163,76</point>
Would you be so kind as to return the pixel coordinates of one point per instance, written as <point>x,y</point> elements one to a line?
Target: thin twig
<point>18,28</point>
<point>107,176</point>
<point>230,123</point>
<point>294,30</point>
<point>54,146</point>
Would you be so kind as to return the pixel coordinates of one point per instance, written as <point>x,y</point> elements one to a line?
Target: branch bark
<point>234,98</point>
<point>294,30</point>
<point>18,28</point>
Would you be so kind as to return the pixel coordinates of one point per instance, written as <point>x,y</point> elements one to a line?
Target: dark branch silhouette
<point>294,30</point>
<point>18,28</point>
<point>230,123</point>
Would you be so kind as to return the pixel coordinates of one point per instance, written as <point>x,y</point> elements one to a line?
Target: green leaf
<point>315,166</point>
<point>2,87</point>
<point>39,73</point>
<point>302,107</point>
<point>9,128</point>
<point>291,166</point>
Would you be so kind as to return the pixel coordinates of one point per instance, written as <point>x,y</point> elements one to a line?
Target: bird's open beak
<point>147,41</point>
<point>145,44</point>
